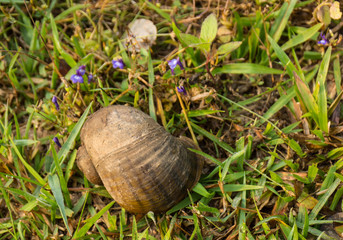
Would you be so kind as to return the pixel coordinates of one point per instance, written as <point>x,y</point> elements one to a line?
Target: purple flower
<point>118,63</point>
<point>181,89</point>
<point>81,70</point>
<point>323,41</point>
<point>54,100</point>
<point>55,139</point>
<point>90,78</point>
<point>173,63</point>
<point>76,78</point>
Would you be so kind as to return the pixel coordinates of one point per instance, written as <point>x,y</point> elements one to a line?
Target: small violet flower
<point>118,63</point>
<point>173,63</point>
<point>90,78</point>
<point>54,101</point>
<point>55,139</point>
<point>182,89</point>
<point>81,70</point>
<point>323,40</point>
<point>76,78</point>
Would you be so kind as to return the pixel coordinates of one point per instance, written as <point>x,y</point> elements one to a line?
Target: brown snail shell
<point>141,165</point>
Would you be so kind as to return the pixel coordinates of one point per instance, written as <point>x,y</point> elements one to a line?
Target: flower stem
<point>186,117</point>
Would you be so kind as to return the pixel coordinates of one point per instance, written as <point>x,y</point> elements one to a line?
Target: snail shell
<point>142,166</point>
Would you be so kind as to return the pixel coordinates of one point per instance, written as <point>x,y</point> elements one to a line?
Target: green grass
<point>262,102</point>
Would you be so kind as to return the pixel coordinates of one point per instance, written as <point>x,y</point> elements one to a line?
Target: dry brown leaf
<point>307,201</point>
<point>335,12</point>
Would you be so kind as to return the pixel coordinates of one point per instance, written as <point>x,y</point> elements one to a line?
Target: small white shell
<point>142,34</point>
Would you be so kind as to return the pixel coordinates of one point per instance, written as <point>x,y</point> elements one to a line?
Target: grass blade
<point>67,146</point>
<point>324,199</point>
<point>90,222</point>
<point>323,108</point>
<point>27,166</point>
<point>68,58</point>
<point>290,68</point>
<point>247,68</point>
<point>282,20</point>
<point>213,138</point>
<point>337,74</point>
<point>324,66</point>
<point>152,111</point>
<point>159,11</point>
<point>302,37</point>
<point>62,180</point>
<point>55,186</point>
<point>284,99</point>
<point>306,97</point>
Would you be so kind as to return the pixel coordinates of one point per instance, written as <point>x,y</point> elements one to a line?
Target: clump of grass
<point>255,86</point>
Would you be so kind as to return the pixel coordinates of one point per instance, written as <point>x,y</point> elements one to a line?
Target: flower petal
<point>54,100</point>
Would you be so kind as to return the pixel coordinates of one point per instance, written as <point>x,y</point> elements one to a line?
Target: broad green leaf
<point>209,29</point>
<point>190,40</point>
<point>247,68</point>
<point>228,47</point>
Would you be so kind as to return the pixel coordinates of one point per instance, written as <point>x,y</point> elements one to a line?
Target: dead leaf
<point>307,201</point>
<point>335,12</point>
